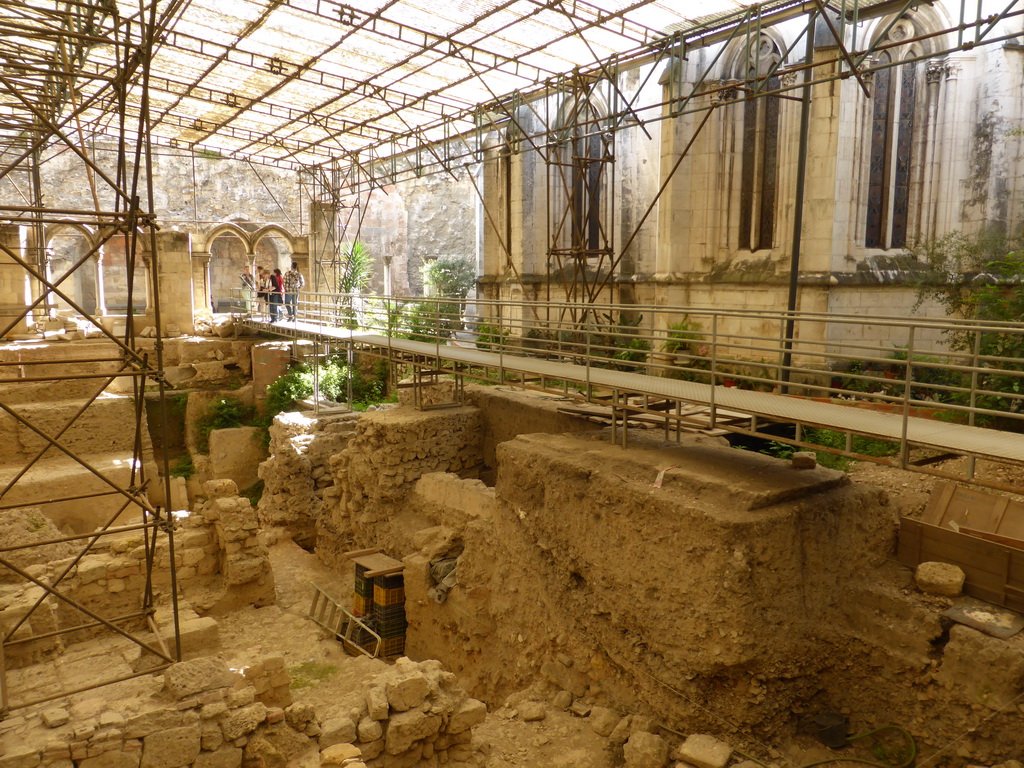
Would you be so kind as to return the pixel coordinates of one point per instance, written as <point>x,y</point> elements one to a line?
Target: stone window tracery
<point>894,119</point>
<point>760,146</point>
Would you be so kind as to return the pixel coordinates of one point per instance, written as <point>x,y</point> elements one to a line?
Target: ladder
<point>339,621</point>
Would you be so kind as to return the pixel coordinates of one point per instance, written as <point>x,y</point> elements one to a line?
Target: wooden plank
<point>1006,541</point>
<point>938,501</point>
<point>377,564</point>
<point>941,544</point>
<point>360,552</point>
<point>385,571</point>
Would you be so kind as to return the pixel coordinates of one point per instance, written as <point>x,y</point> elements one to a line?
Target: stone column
<point>173,280</point>
<point>201,297</point>
<point>821,193</point>
<point>101,293</point>
<point>12,280</point>
<point>322,241</point>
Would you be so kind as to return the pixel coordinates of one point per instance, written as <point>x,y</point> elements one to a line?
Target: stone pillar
<point>822,189</point>
<point>101,292</point>
<point>201,297</point>
<point>300,255</point>
<point>322,241</point>
<point>13,279</point>
<point>173,280</point>
<point>269,363</point>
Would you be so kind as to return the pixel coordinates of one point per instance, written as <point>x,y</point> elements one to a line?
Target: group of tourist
<point>270,289</point>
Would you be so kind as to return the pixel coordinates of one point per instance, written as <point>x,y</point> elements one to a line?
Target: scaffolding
<point>46,89</point>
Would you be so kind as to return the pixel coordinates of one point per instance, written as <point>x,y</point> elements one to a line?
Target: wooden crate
<point>995,573</point>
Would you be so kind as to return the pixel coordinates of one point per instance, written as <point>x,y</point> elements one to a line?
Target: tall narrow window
<point>889,168</point>
<point>759,167</point>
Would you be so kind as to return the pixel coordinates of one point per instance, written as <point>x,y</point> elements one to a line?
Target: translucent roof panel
<point>305,81</point>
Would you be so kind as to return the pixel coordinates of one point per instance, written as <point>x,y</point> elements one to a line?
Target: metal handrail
<point>830,355</point>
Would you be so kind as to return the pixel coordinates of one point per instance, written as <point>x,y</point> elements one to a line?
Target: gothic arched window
<point>890,160</point>
<point>760,149</point>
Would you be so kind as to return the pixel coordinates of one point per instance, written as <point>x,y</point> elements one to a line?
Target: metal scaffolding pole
<point>44,106</point>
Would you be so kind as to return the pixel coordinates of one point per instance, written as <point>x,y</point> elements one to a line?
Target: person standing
<point>263,291</point>
<point>293,283</point>
<point>248,288</point>
<point>276,295</point>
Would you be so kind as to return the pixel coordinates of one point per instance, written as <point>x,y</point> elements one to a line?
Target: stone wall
<point>298,473</point>
<point>391,449</point>
<point>200,714</point>
<point>220,564</point>
<point>244,565</point>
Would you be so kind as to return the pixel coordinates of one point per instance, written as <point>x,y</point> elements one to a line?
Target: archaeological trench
<point>569,603</point>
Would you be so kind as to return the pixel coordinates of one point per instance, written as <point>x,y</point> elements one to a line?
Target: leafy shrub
<point>490,336</point>
<point>183,467</point>
<point>450,276</point>
<point>284,393</point>
<point>979,278</point>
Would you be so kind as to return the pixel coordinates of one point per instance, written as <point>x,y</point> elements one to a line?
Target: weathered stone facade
<point>721,233</point>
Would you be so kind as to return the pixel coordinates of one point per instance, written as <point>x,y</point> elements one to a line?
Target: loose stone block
<point>191,677</point>
<point>471,712</point>
<point>369,730</point>
<point>939,579</point>
<point>54,718</point>
<point>377,703</point>
<point>645,750</point>
<point>704,751</point>
<point>531,711</point>
<point>337,730</point>
<point>406,728</point>
<point>603,720</point>
<point>243,721</point>
<point>406,693</point>
<point>338,754</point>
<point>804,460</point>
<point>174,748</point>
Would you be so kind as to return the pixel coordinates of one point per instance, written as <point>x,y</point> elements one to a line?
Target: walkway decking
<point>941,436</point>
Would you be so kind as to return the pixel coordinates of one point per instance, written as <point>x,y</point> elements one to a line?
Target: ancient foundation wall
<point>200,714</point>
<point>298,472</point>
<point>374,474</point>
<point>738,590</point>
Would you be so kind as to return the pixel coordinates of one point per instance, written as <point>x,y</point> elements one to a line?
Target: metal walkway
<point>622,390</point>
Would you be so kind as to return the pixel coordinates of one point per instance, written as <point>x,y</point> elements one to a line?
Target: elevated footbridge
<point>934,388</point>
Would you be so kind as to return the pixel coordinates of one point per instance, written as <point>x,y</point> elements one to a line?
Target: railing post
<point>714,366</point>
<point>908,379</point>
<point>975,361</point>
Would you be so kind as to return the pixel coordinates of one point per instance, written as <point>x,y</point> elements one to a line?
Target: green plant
<point>284,393</point>
<point>490,336</point>
<point>183,467</point>
<point>979,278</point>
<point>309,673</point>
<point>450,276</point>
<point>617,339</point>
<point>254,493</point>
<point>687,342</point>
<point>226,413</point>
<point>356,268</point>
<point>176,404</point>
